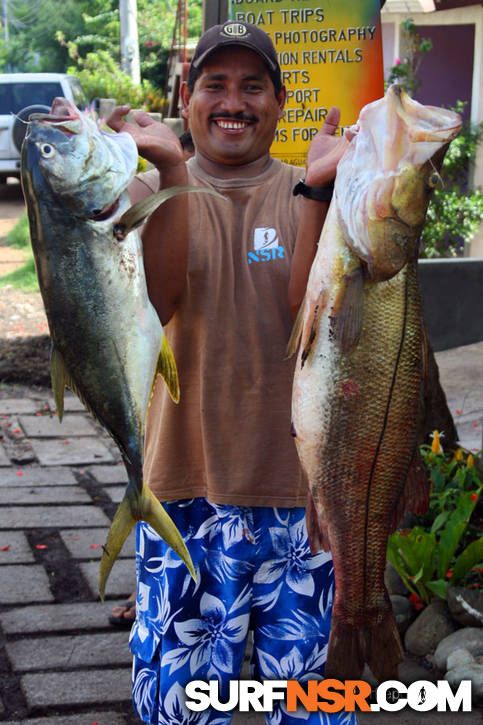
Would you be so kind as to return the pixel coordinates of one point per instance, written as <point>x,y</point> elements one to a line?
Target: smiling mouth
<point>227,125</point>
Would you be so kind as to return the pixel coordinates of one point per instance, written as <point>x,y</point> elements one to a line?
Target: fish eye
<point>47,150</point>
<point>433,180</point>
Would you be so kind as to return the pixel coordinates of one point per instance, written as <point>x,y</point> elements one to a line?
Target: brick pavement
<point>60,661</point>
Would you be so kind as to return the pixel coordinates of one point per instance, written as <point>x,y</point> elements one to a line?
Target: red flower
<point>449,574</point>
<point>474,497</point>
<point>416,601</point>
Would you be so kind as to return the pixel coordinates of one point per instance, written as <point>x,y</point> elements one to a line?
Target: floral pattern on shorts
<point>254,572</point>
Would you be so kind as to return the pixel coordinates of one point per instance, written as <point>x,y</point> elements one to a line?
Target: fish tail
<point>345,657</point>
<point>350,647</point>
<point>383,649</point>
<point>145,507</point>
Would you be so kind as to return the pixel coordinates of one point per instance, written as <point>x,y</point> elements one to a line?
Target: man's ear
<point>281,98</point>
<point>185,95</point>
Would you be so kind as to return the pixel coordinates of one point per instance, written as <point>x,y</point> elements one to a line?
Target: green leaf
<point>469,558</point>
<point>439,521</point>
<point>438,587</point>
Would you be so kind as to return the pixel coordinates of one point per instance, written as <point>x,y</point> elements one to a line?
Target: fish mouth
<point>100,215</point>
<point>63,115</point>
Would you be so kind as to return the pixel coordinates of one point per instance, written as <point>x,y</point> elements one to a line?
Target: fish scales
<point>108,344</point>
<point>357,383</point>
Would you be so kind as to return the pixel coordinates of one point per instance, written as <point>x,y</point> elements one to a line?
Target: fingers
<point>143,119</point>
<point>116,120</point>
<point>331,120</point>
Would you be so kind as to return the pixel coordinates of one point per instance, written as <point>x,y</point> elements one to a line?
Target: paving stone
<point>34,475</point>
<point>4,459</point>
<point>75,452</point>
<point>81,543</point>
<point>109,474</point>
<point>115,493</point>
<point>72,404</point>
<point>101,718</point>
<point>43,494</point>
<point>24,583</point>
<point>74,688</point>
<point>121,580</point>
<point>38,618</point>
<point>20,405</point>
<point>61,651</point>
<point>28,517</point>
<point>47,426</point>
<point>18,552</point>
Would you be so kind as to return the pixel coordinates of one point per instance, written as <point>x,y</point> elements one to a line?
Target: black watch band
<point>316,193</point>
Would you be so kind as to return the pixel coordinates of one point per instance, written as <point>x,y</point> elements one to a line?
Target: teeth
<point>237,125</point>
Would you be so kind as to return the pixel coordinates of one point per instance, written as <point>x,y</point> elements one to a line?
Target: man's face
<point>233,110</point>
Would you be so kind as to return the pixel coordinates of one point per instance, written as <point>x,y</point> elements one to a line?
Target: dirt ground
<point>24,342</point>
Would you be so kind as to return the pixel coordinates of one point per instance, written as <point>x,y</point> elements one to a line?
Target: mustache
<point>239,116</point>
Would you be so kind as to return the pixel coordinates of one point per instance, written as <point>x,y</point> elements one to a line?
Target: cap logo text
<point>235,30</point>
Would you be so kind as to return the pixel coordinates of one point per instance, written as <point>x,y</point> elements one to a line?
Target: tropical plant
<point>456,211</point>
<point>405,69</point>
<point>445,547</point>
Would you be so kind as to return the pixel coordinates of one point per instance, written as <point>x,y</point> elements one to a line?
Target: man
<point>226,276</point>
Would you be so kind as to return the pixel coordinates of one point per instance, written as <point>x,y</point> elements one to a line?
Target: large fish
<point>108,344</point>
<point>357,384</point>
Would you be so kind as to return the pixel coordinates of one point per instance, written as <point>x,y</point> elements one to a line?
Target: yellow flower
<point>458,456</point>
<point>470,461</point>
<point>436,444</point>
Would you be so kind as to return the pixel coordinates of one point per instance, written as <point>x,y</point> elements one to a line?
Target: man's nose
<point>233,100</point>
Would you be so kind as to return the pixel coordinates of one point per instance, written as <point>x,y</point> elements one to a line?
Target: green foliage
<point>19,236</point>
<point>455,212</point>
<point>445,547</point>
<point>25,277</point>
<point>32,44</point>
<point>405,70</point>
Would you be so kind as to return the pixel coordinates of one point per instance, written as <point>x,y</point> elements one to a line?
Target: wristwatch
<point>316,193</point>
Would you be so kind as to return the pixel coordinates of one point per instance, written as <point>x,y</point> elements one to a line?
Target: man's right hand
<point>156,143</point>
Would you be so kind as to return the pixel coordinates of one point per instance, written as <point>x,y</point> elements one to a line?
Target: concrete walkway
<point>60,661</point>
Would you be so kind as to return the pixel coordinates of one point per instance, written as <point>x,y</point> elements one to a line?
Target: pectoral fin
<point>166,367</point>
<point>296,333</point>
<point>137,214</point>
<point>346,313</point>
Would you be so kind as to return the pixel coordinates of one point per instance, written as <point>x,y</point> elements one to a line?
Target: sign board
<point>330,54</point>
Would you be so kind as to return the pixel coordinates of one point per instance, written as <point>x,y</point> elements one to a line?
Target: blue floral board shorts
<point>254,572</point>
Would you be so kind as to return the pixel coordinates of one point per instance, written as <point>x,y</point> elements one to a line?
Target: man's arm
<point>324,154</point>
<point>165,234</point>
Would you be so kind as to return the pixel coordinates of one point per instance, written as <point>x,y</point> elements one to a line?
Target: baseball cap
<point>235,32</point>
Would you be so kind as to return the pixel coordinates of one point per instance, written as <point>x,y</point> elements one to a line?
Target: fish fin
<point>309,333</point>
<point>155,515</point>
<point>415,495</point>
<point>351,646</point>
<point>58,374</point>
<point>137,214</point>
<point>345,659</point>
<point>383,650</point>
<point>296,333</point>
<point>166,367</point>
<point>316,527</point>
<point>146,508</point>
<point>61,379</point>
<point>346,313</point>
